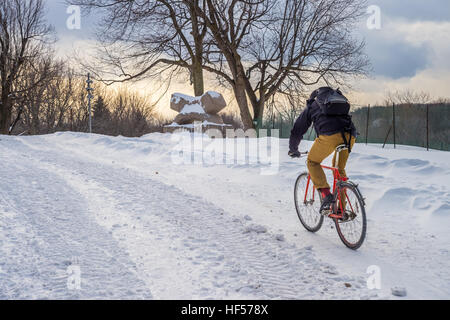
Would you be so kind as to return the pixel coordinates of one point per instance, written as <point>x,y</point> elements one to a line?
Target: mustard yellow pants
<point>324,146</point>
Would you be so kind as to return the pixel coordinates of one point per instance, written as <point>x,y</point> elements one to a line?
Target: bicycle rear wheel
<point>308,208</point>
<point>352,231</point>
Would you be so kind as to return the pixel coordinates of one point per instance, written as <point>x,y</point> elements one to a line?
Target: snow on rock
<point>214,94</point>
<point>192,108</point>
<point>177,97</point>
<point>192,126</point>
<point>197,109</point>
<point>211,102</point>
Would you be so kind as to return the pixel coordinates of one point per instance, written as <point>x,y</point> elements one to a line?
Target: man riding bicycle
<point>328,110</point>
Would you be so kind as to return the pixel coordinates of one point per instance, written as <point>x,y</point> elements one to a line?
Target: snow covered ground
<point>137,224</point>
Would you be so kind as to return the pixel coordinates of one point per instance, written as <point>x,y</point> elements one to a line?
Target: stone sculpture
<point>197,110</point>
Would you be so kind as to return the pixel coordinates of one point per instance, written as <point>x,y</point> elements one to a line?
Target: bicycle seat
<point>341,147</point>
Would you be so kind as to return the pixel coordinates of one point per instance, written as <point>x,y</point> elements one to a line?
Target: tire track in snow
<point>44,229</point>
<point>195,248</point>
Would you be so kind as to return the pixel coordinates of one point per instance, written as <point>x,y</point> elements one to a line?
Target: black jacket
<point>323,125</point>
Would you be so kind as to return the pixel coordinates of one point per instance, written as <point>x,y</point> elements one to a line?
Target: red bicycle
<point>348,210</point>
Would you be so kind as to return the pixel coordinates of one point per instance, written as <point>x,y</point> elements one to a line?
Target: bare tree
<point>147,39</point>
<point>44,102</point>
<point>229,23</point>
<point>406,97</point>
<point>269,47</point>
<point>124,112</point>
<point>261,48</point>
<point>24,36</point>
<point>288,105</point>
<point>60,103</point>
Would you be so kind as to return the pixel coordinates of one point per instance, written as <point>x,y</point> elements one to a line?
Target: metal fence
<point>426,126</point>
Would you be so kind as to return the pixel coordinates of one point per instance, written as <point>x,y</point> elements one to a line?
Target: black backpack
<point>331,102</point>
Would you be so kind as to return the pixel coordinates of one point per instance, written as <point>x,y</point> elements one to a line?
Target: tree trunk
<point>5,114</point>
<point>197,77</point>
<point>258,111</point>
<point>197,55</point>
<point>234,61</point>
<point>35,121</point>
<point>241,99</point>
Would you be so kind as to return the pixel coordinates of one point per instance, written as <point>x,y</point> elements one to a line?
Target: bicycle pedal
<point>326,213</point>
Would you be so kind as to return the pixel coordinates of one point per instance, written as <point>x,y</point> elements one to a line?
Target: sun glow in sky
<point>409,51</point>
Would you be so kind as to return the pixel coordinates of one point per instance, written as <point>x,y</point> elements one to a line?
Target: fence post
<point>281,126</point>
<point>393,122</point>
<point>428,137</point>
<point>273,120</point>
<point>367,126</point>
<point>387,136</point>
<point>89,89</point>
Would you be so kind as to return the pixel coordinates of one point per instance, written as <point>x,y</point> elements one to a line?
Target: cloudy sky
<point>411,49</point>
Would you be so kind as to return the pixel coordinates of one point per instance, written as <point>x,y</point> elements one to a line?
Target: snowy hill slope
<point>139,225</point>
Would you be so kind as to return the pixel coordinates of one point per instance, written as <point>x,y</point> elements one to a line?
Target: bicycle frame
<point>336,179</point>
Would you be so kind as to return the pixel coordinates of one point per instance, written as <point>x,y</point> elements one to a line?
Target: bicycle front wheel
<point>307,203</point>
<point>352,227</point>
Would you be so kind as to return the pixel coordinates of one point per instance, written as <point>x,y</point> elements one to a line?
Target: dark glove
<point>294,154</point>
